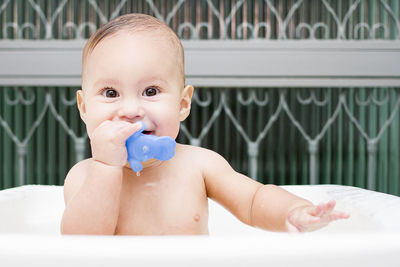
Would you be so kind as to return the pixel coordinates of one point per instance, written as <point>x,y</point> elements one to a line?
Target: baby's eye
<point>151,91</point>
<point>110,93</point>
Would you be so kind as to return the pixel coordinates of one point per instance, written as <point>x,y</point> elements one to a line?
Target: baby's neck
<point>147,165</point>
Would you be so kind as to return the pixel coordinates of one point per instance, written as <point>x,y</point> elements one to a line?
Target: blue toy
<point>142,147</point>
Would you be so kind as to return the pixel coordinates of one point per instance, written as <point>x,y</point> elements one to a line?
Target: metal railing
<point>276,135</point>
<point>208,19</point>
<point>340,134</point>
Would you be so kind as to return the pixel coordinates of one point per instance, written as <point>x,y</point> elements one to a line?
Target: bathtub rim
<point>280,249</point>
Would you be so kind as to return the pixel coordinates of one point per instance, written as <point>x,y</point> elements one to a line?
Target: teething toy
<point>142,147</point>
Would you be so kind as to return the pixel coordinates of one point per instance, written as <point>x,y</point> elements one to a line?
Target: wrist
<point>101,169</point>
<point>103,164</point>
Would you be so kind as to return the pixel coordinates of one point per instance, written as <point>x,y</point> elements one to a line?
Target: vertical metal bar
<point>371,185</point>
<point>252,152</point>
<point>18,120</point>
<point>21,152</point>
<point>313,149</point>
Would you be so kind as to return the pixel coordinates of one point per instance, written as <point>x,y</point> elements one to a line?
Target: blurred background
<point>298,126</point>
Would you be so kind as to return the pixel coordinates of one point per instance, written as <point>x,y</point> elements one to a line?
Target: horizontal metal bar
<point>292,82</point>
<point>223,63</point>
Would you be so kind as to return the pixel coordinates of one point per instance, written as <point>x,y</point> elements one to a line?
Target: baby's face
<point>134,77</point>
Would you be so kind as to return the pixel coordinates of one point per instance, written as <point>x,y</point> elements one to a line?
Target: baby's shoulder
<point>74,179</point>
<point>199,154</point>
<point>193,150</point>
<point>80,168</point>
<point>77,171</point>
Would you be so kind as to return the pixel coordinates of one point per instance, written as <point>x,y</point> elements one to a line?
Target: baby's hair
<point>135,23</point>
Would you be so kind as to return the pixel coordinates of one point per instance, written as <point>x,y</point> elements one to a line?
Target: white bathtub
<point>30,218</point>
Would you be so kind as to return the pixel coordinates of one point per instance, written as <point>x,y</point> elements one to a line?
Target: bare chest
<point>163,206</point>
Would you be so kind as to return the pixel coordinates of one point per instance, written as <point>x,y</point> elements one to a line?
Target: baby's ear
<point>186,102</point>
<point>81,104</point>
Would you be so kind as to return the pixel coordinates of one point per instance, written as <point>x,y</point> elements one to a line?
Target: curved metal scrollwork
<point>218,104</point>
<point>223,20</point>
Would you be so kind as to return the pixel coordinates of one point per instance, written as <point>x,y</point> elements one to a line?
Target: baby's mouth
<point>147,132</point>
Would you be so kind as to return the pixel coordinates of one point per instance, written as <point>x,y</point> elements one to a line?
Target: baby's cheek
<point>174,134</point>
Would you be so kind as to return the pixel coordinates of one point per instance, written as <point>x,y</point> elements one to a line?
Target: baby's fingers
<point>337,215</point>
<point>302,221</point>
<point>126,129</point>
<point>326,213</point>
<point>322,209</point>
<point>315,217</point>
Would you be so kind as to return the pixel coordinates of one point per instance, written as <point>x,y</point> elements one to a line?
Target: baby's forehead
<point>163,39</point>
<point>158,38</point>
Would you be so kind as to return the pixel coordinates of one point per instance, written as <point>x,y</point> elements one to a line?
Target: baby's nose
<point>131,109</point>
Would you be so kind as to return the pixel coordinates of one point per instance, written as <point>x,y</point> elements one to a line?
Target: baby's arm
<point>92,187</point>
<point>265,206</point>
<point>287,212</point>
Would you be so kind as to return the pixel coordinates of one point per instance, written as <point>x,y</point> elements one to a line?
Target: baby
<point>132,72</point>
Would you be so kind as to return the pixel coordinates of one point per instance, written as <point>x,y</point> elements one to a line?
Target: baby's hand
<point>311,218</point>
<point>108,141</point>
